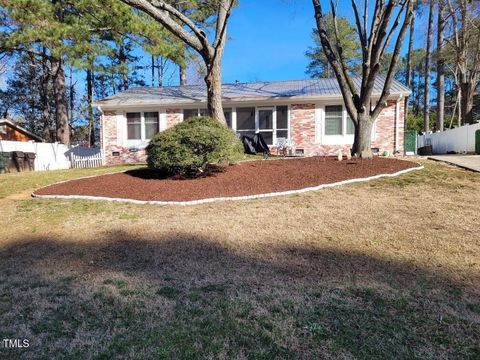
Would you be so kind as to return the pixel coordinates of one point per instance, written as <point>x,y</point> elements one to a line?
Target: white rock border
<point>219,199</point>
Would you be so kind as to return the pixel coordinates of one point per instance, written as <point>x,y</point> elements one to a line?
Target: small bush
<point>192,148</point>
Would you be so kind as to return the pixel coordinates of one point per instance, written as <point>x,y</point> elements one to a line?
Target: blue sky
<point>268,40</point>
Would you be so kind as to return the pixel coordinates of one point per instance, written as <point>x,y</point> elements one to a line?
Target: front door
<point>265,124</point>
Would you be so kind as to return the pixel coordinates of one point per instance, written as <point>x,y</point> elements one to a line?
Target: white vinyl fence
<point>460,140</point>
<point>55,156</point>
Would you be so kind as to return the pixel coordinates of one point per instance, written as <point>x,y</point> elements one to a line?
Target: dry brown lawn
<point>385,269</point>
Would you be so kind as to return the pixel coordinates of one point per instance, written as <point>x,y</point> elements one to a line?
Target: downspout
<point>397,123</point>
<point>102,145</point>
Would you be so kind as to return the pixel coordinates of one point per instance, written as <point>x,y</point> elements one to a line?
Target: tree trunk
<point>153,71</point>
<point>91,118</point>
<point>123,60</point>
<point>213,80</point>
<point>440,68</point>
<point>44,100</point>
<point>466,100</point>
<point>426,95</point>
<point>71,99</point>
<point>161,63</point>
<point>183,75</point>
<point>408,76</point>
<point>63,132</point>
<point>362,145</point>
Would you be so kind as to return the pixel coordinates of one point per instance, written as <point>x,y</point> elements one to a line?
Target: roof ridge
<point>240,82</point>
<point>258,89</point>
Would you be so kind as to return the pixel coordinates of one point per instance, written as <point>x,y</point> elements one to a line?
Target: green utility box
<point>477,142</point>
<point>410,142</point>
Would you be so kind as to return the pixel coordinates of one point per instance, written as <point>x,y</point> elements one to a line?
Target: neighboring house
<point>12,132</point>
<point>309,113</point>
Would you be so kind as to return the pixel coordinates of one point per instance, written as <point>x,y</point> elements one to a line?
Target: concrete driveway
<point>470,162</point>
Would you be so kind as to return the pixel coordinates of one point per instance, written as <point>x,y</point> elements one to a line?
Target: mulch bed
<point>247,178</point>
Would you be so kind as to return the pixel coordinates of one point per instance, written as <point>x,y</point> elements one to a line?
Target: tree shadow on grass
<point>192,297</point>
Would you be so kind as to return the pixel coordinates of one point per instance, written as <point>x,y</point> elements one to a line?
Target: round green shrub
<point>194,147</point>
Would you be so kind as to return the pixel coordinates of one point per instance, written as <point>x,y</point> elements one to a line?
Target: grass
<point>381,270</point>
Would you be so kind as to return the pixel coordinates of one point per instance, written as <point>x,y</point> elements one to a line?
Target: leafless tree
<point>374,39</point>
<point>464,39</point>
<point>408,75</point>
<point>186,30</point>
<point>428,55</point>
<point>440,66</point>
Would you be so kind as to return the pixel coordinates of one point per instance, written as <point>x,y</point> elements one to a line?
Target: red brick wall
<point>109,135</point>
<point>174,116</point>
<point>302,131</point>
<point>302,123</point>
<point>113,144</point>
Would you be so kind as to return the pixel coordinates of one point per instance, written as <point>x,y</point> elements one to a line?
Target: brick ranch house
<point>309,113</point>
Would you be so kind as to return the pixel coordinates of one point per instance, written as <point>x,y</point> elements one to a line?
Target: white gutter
<point>119,103</point>
<point>102,145</point>
<point>397,122</point>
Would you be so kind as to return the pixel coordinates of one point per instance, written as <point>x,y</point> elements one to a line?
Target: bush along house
<point>308,114</point>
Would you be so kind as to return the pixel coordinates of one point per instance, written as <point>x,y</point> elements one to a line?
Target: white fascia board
<point>231,103</point>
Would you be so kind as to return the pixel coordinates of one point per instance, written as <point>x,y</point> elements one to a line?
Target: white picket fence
<point>460,140</point>
<point>55,156</point>
<point>86,161</point>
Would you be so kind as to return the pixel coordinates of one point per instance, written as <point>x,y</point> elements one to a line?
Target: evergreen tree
<point>319,65</point>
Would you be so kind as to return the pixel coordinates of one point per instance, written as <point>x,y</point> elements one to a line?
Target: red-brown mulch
<point>247,178</point>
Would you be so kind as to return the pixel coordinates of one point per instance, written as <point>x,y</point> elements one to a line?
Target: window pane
<point>333,120</point>
<point>246,118</point>
<point>228,117</point>
<point>282,117</point>
<point>151,117</point>
<point>134,123</point>
<point>188,113</point>
<point>282,134</point>
<point>133,118</point>
<point>203,112</point>
<point>265,119</point>
<point>151,124</point>
<point>350,126</point>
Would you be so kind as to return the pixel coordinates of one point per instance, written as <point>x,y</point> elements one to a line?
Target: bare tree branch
<point>393,62</point>
<point>160,13</point>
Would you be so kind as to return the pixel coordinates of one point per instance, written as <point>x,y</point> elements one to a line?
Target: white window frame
<point>275,124</point>
<point>143,141</point>
<point>344,138</point>
<point>194,108</point>
<point>257,127</point>
<point>273,130</point>
<point>3,129</point>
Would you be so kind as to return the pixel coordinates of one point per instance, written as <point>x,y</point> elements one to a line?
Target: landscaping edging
<point>220,199</point>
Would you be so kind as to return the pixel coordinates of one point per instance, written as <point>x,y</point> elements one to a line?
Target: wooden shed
<point>13,132</point>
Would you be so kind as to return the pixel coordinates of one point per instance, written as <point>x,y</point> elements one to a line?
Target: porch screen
<point>246,121</point>
<point>228,116</point>
<point>282,122</point>
<point>188,113</point>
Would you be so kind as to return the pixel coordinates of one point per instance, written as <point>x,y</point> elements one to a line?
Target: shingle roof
<point>261,90</point>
